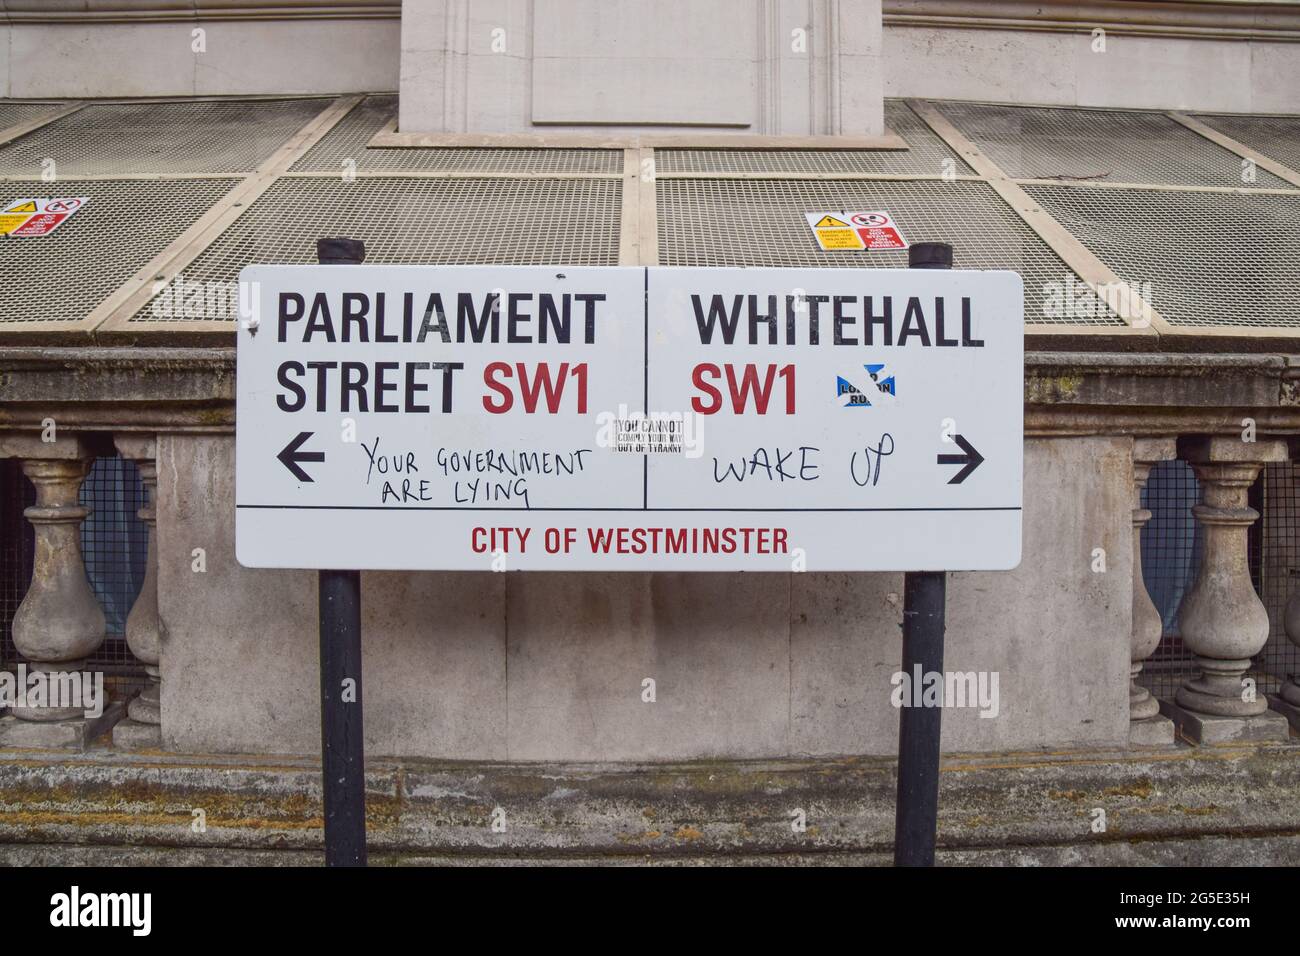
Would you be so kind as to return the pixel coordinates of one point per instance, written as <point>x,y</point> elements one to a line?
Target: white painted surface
<point>833,487</point>
<point>160,59</point>
<point>774,67</point>
<point>1021,66</point>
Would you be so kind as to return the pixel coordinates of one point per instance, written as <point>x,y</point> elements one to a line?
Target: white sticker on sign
<point>468,417</point>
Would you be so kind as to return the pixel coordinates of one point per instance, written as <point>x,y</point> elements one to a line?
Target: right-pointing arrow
<point>971,460</point>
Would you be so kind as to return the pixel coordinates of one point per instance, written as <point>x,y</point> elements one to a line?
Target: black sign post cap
<point>340,251</point>
<point>929,255</point>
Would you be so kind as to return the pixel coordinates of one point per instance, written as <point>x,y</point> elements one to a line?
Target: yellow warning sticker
<point>8,223</point>
<point>29,206</point>
<point>827,222</point>
<point>839,239</point>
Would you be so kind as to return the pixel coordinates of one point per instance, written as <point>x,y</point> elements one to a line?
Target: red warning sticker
<point>869,231</point>
<point>40,225</point>
<point>37,217</point>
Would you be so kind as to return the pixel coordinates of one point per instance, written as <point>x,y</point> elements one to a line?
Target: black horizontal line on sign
<point>584,510</point>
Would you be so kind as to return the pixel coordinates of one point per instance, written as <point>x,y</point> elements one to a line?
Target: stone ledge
<point>1187,805</point>
<point>168,11</point>
<point>1081,393</point>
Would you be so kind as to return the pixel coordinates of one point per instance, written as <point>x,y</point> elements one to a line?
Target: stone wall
<point>547,666</point>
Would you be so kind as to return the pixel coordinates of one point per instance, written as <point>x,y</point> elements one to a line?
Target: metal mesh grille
<point>17,546</point>
<point>126,139</point>
<point>1201,259</point>
<point>761,223</point>
<point>114,546</point>
<point>1277,137</point>
<point>1171,558</point>
<point>1101,145</point>
<point>430,221</point>
<point>11,114</point>
<point>1277,551</point>
<point>63,276</point>
<point>928,155</point>
<point>347,141</point>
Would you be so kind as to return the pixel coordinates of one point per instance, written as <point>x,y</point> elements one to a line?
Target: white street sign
<point>800,419</point>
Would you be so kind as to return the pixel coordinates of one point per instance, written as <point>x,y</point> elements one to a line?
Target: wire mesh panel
<point>343,149</point>
<point>63,276</point>
<point>126,139</point>
<point>762,223</point>
<point>1171,558</point>
<point>17,546</point>
<point>1277,556</point>
<point>12,113</point>
<point>1277,137</point>
<point>1101,145</point>
<point>1201,259</point>
<point>928,155</point>
<point>430,221</point>
<point>114,546</point>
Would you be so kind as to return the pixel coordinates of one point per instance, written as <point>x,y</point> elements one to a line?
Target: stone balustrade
<point>147,404</point>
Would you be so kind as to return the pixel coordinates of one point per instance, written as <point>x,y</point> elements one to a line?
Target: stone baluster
<point>59,623</point>
<point>1222,620</point>
<point>142,730</point>
<point>1147,727</point>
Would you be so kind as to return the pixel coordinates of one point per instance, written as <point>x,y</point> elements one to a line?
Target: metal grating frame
<point>171,139</point>
<point>14,112</point>
<point>1091,145</point>
<point>928,155</point>
<point>347,142</point>
<point>1209,259</point>
<point>761,223</point>
<point>1277,137</point>
<point>57,280</point>
<point>671,205</point>
<point>407,220</point>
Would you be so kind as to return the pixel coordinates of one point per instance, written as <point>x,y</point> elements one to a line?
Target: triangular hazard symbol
<point>827,221</point>
<point>29,206</point>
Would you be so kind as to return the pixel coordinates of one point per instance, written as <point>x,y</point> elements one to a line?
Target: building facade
<point>1138,164</point>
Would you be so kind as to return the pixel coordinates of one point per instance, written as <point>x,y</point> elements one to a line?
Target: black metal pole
<point>341,736</point>
<point>924,595</point>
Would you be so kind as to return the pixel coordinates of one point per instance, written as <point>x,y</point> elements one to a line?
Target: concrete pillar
<point>1147,727</point>
<point>1222,619</point>
<point>144,630</point>
<point>59,623</point>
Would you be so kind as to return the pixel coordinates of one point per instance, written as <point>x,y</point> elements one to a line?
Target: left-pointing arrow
<point>290,456</point>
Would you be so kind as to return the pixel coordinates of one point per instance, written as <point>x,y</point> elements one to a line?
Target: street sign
<point>479,417</point>
<point>37,217</point>
<point>841,231</point>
